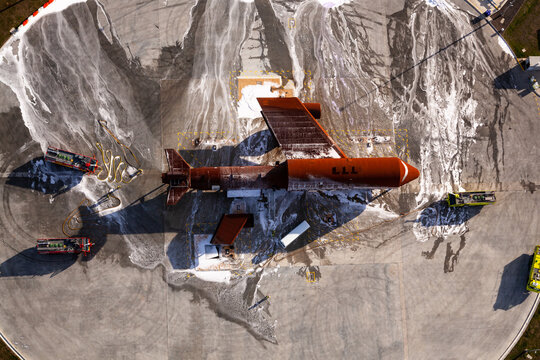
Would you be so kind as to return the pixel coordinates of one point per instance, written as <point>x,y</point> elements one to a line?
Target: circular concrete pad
<point>385,275</point>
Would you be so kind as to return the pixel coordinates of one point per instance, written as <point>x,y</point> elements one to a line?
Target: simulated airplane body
<point>294,126</point>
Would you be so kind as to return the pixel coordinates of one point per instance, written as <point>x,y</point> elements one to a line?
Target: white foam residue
<point>331,153</point>
<point>298,154</point>
<point>254,159</point>
<point>87,186</point>
<point>333,3</point>
<point>505,46</point>
<point>439,220</point>
<point>444,113</point>
<point>248,106</point>
<point>298,72</point>
<point>55,6</point>
<point>437,3</point>
<point>423,234</point>
<point>16,74</point>
<point>214,276</point>
<point>380,211</point>
<point>447,113</point>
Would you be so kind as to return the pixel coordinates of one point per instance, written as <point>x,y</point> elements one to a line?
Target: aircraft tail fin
<point>175,193</point>
<point>178,177</point>
<point>176,161</point>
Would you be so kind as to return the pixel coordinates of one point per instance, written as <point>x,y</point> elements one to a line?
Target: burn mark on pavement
<point>430,254</point>
<point>451,257</point>
<point>228,302</point>
<point>529,186</point>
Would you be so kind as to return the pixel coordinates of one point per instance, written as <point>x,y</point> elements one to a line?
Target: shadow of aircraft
<point>513,283</point>
<point>440,214</point>
<point>328,208</point>
<point>514,79</point>
<point>328,212</point>
<point>45,177</point>
<point>29,263</point>
<point>323,211</point>
<point>140,217</point>
<point>202,154</point>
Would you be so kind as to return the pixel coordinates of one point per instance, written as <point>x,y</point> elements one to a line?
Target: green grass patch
<point>13,13</point>
<point>524,30</point>
<point>530,339</point>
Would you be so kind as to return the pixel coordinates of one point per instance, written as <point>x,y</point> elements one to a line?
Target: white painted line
<point>406,171</point>
<point>523,328</point>
<point>403,306</point>
<point>11,346</point>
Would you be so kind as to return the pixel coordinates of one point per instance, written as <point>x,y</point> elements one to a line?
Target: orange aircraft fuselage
<point>293,174</point>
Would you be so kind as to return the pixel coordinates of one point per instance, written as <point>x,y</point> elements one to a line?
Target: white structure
<point>243,193</point>
<point>296,232</point>
<point>211,252</point>
<point>533,63</point>
<point>206,256</point>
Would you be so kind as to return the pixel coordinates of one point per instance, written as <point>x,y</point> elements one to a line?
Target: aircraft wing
<point>175,194</point>
<point>295,128</point>
<point>178,177</point>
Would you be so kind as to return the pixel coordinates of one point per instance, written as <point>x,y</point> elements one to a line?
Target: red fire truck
<point>64,246</point>
<point>71,160</point>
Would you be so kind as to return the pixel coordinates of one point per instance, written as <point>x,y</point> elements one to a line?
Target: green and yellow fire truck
<point>470,198</point>
<point>534,277</point>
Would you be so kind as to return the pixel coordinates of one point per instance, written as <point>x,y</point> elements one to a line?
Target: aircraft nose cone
<point>409,174</point>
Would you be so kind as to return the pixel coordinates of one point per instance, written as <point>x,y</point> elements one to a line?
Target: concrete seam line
<point>523,328</point>
<point>403,306</point>
<point>11,347</point>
